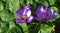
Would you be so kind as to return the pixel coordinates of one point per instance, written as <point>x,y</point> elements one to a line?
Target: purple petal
<point>49,13</point>
<point>28,7</point>
<point>55,15</point>
<point>30,19</point>
<point>37,18</point>
<point>41,15</point>
<point>27,11</point>
<point>20,21</point>
<point>20,12</point>
<point>41,10</point>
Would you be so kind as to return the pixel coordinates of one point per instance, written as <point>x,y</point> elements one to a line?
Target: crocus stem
<point>24,27</point>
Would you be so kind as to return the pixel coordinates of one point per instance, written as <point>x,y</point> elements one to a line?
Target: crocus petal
<point>19,20</point>
<point>49,13</point>
<point>55,15</point>
<point>51,10</point>
<point>20,12</point>
<point>30,19</point>
<point>41,14</point>
<point>28,13</point>
<point>41,10</point>
<point>28,7</point>
<point>37,18</point>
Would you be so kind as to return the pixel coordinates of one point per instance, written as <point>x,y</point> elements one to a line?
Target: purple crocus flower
<point>44,13</point>
<point>50,14</point>
<point>41,13</point>
<point>24,14</point>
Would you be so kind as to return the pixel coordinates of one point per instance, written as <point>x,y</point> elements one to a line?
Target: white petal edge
<point>31,17</point>
<point>42,9</point>
<point>28,13</point>
<point>52,10</point>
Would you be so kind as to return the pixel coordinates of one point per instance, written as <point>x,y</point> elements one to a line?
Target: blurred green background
<point>8,9</point>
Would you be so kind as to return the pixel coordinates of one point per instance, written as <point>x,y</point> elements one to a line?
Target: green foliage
<point>52,2</point>
<point>4,27</point>
<point>24,27</point>
<point>6,16</point>
<point>34,27</point>
<point>21,2</point>
<point>42,2</point>
<point>30,1</point>
<point>13,28</point>
<point>13,5</point>
<point>44,28</point>
<point>1,6</point>
<point>9,27</point>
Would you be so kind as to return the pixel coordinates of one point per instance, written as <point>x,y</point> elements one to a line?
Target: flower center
<point>23,17</point>
<point>47,15</point>
<point>41,16</point>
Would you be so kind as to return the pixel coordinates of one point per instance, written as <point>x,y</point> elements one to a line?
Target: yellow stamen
<point>41,16</point>
<point>23,17</point>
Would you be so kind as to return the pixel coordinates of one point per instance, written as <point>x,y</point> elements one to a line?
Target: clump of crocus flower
<point>24,14</point>
<point>44,13</point>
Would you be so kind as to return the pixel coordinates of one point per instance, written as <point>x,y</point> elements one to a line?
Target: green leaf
<point>24,27</point>
<point>4,27</point>
<point>1,6</point>
<point>36,0</point>
<point>4,0</point>
<point>13,5</point>
<point>42,2</point>
<point>33,27</point>
<point>30,1</point>
<point>44,28</point>
<point>6,16</point>
<point>52,2</point>
<point>32,24</point>
<point>13,28</point>
<point>22,2</point>
<point>45,3</point>
<point>11,25</point>
<point>0,30</point>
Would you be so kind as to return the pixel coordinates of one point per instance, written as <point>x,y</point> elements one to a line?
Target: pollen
<point>41,16</point>
<point>23,17</point>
